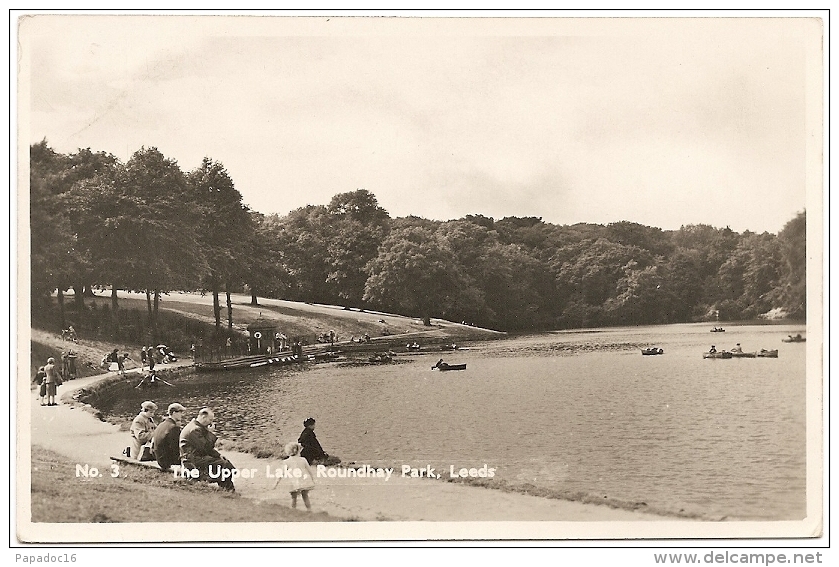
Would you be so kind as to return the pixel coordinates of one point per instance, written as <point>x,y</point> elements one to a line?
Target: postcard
<point>386,277</point>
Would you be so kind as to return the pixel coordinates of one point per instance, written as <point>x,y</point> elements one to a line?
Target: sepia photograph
<point>412,277</point>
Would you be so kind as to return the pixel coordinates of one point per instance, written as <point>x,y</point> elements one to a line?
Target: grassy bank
<point>187,318</point>
<point>141,495</point>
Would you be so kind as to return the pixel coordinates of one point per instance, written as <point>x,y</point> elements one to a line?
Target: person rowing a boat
<point>737,348</point>
<point>713,349</point>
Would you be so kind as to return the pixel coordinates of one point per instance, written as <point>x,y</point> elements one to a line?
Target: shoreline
<point>84,438</point>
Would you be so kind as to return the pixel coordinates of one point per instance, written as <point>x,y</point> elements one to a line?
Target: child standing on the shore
<point>41,380</point>
<point>300,479</point>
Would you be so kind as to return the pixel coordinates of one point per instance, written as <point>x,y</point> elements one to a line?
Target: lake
<point>582,414</point>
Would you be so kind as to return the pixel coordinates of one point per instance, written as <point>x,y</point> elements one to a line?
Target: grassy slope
<point>293,319</point>
<point>141,495</point>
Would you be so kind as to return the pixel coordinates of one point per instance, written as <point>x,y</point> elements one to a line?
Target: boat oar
<point>141,383</point>
<point>165,382</point>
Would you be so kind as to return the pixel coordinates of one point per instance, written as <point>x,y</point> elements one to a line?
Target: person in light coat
<point>142,428</point>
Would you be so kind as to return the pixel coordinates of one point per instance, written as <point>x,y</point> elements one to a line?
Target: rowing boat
<point>767,353</point>
<point>743,354</point>
<point>723,354</point>
<point>443,367</point>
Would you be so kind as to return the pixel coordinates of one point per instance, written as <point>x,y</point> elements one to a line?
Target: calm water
<point>575,412</point>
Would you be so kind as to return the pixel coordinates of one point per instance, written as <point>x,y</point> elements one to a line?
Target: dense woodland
<point>148,226</point>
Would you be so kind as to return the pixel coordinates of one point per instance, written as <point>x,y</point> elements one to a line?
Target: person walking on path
<point>71,364</point>
<point>299,476</point>
<point>53,380</point>
<point>65,365</point>
<point>120,360</point>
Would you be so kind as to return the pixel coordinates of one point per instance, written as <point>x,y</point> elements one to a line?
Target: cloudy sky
<point>663,122</point>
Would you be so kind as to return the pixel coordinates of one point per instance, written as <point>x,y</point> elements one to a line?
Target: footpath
<point>69,430</point>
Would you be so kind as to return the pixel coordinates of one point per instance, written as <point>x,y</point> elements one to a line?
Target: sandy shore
<point>71,431</point>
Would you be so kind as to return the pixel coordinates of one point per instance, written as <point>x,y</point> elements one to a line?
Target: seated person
<point>142,429</point>
<point>165,441</point>
<point>312,451</point>
<point>737,348</point>
<point>197,446</point>
<point>713,349</point>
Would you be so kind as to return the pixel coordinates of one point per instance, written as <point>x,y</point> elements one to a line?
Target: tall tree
<point>791,293</point>
<point>264,271</point>
<point>223,230</point>
<point>60,252</point>
<point>302,238</point>
<point>162,248</point>
<point>416,273</point>
<point>357,225</point>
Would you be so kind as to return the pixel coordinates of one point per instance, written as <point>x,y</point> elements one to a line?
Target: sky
<point>664,122</point>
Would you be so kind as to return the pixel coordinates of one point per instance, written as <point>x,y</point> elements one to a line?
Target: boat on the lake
<point>443,366</point>
<point>413,346</point>
<point>717,330</point>
<point>735,354</point>
<point>720,354</point>
<point>796,339</point>
<point>763,353</point>
<point>652,351</point>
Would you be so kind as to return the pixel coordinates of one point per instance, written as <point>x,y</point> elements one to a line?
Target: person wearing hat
<point>164,441</point>
<point>52,379</point>
<point>312,451</point>
<point>198,450</point>
<point>142,429</point>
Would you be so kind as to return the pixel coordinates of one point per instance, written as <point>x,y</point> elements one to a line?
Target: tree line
<point>148,226</point>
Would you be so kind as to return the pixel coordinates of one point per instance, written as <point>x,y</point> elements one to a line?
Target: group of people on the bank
<point>161,354</point>
<point>149,356</point>
<point>328,337</point>
<point>114,357</point>
<point>192,446</point>
<point>50,376</point>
